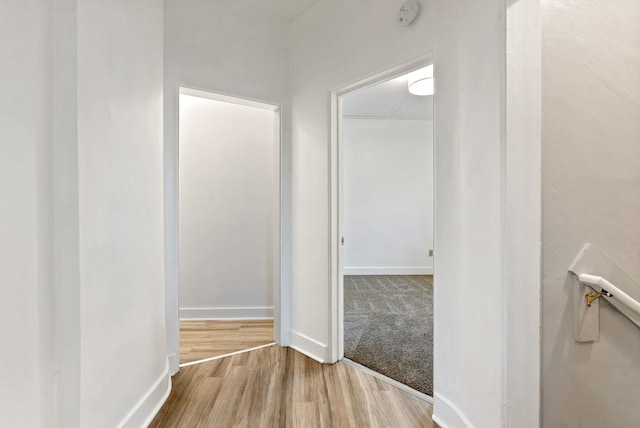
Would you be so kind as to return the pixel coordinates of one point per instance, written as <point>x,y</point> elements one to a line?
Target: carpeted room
<point>388,326</point>
<point>387,176</point>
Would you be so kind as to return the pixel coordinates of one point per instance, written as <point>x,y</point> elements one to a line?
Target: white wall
<point>81,235</point>
<point>26,329</point>
<point>213,45</point>
<point>591,193</point>
<point>220,47</point>
<point>388,196</point>
<point>226,195</point>
<point>469,208</point>
<point>357,38</point>
<point>120,178</point>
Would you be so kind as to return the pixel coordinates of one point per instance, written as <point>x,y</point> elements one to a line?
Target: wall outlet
<point>430,253</point>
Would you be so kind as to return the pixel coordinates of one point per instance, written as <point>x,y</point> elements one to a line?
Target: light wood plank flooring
<point>205,339</point>
<point>278,387</point>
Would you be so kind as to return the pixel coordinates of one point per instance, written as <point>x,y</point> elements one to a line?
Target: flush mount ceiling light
<point>421,81</point>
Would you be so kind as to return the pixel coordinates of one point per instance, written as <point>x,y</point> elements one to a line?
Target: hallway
<point>90,246</point>
<point>279,387</point>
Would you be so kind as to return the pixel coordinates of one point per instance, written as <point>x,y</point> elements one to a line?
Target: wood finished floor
<point>279,387</point>
<point>205,339</point>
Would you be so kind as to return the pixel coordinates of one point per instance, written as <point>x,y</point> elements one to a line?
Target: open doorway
<point>385,169</point>
<point>229,224</point>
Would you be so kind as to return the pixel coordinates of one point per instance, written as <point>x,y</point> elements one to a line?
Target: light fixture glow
<point>420,82</point>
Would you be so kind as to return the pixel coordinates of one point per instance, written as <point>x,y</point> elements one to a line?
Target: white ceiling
<point>390,100</point>
<point>285,9</point>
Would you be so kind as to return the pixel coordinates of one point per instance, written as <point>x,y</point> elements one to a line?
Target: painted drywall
<point>227,189</point>
<point>66,215</point>
<point>591,193</point>
<point>223,48</point>
<point>81,237</point>
<point>237,53</point>
<point>26,327</point>
<point>357,39</point>
<point>123,362</point>
<point>388,196</point>
<point>469,288</point>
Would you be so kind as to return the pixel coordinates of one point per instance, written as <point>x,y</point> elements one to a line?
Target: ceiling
<point>388,100</point>
<point>284,9</point>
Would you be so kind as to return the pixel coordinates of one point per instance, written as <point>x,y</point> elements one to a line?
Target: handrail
<point>588,264</point>
<point>609,290</point>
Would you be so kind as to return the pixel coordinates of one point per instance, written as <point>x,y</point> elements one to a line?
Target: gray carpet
<point>388,326</point>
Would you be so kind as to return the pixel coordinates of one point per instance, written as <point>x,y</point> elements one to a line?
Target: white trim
<point>447,415</point>
<point>174,363</point>
<point>309,347</point>
<point>171,101</point>
<point>354,117</point>
<point>336,276</point>
<point>278,288</point>
<point>217,357</point>
<point>281,264</point>
<point>149,405</point>
<point>336,285</point>
<point>522,216</point>
<point>227,98</point>
<point>393,382</point>
<point>240,313</point>
<point>388,271</point>
<point>384,74</point>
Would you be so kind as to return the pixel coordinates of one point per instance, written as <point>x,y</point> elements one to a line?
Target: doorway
<point>384,218</point>
<point>229,224</point>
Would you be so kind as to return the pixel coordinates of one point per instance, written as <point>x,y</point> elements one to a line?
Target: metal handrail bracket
<point>595,274</point>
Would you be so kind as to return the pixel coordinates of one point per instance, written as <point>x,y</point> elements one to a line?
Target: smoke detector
<point>408,12</point>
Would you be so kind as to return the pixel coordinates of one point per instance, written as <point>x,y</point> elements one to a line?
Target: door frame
<point>172,234</point>
<point>336,252</point>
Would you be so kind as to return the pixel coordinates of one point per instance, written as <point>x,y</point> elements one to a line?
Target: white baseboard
<point>149,405</point>
<point>308,346</point>
<point>448,415</point>
<point>387,271</point>
<point>239,313</point>
<point>285,338</point>
<point>174,364</point>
